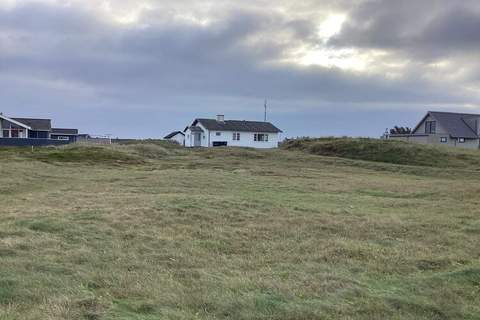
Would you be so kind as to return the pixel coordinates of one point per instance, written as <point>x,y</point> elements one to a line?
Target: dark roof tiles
<point>456,123</point>
<point>36,124</point>
<point>238,125</point>
<point>173,134</point>
<point>64,131</point>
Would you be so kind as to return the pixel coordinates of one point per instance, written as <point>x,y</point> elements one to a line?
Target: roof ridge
<point>459,113</point>
<point>258,121</point>
<point>31,118</point>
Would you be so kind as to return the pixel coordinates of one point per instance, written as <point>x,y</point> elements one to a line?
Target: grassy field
<point>312,231</point>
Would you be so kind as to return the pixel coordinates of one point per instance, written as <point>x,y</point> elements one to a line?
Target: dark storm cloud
<point>429,28</point>
<point>56,58</point>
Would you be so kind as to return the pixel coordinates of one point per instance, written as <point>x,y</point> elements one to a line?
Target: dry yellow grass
<point>153,232</point>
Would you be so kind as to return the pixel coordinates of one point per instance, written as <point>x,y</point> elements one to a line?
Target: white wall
<point>189,139</point>
<point>178,138</point>
<point>246,139</point>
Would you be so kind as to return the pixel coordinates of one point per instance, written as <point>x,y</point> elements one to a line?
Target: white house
<point>176,136</point>
<point>236,133</point>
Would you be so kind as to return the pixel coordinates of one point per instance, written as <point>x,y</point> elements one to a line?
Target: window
<point>218,134</point>
<point>236,136</point>
<point>430,127</point>
<point>461,140</point>
<point>443,139</point>
<point>63,138</point>
<point>42,135</point>
<point>261,137</point>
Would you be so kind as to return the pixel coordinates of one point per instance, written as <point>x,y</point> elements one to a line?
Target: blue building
<point>29,131</point>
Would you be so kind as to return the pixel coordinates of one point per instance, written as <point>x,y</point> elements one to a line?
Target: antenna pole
<point>265,116</point>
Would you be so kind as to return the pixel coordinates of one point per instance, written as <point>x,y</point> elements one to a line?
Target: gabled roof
<point>194,129</point>
<point>237,125</point>
<point>20,124</point>
<point>456,124</point>
<point>36,124</point>
<point>64,131</point>
<point>173,134</point>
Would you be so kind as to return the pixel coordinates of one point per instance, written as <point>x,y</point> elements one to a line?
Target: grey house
<point>17,131</point>
<point>446,128</point>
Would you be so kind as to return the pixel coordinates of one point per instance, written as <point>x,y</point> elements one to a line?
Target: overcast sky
<point>142,68</point>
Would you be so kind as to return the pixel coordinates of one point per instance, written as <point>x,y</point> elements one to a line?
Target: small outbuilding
<point>176,136</point>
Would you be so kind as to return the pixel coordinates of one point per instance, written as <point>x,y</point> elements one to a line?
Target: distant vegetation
<point>400,130</point>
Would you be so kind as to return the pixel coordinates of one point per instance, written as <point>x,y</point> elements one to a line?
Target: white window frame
<point>443,140</point>
<point>461,140</point>
<point>236,136</point>
<point>256,137</point>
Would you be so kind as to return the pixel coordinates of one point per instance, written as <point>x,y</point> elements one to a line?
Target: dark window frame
<point>431,127</point>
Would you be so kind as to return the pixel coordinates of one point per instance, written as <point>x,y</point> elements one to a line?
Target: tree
<point>400,130</point>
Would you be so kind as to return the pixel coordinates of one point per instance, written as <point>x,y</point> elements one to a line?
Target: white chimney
<point>220,118</point>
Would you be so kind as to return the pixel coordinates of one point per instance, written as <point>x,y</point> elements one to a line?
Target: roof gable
<point>11,120</point>
<point>173,134</point>
<point>36,124</point>
<point>237,125</point>
<point>456,124</point>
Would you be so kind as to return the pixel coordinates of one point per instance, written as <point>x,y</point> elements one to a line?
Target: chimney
<point>220,118</point>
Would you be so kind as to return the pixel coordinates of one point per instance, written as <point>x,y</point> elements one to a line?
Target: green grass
<point>388,151</point>
<point>153,231</point>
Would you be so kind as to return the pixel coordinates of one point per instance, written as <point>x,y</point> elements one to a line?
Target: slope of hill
<point>388,151</point>
<point>159,232</point>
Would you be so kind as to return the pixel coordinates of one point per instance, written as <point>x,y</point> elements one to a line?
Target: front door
<point>197,140</point>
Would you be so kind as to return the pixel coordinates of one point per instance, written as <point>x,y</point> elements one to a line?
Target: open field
<point>157,232</point>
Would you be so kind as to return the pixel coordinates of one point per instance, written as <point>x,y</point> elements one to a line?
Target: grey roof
<point>456,124</point>
<point>238,125</point>
<point>36,124</point>
<point>194,129</point>
<point>173,134</point>
<point>64,131</point>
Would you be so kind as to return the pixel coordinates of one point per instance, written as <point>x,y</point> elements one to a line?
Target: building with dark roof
<point>445,128</point>
<point>176,136</point>
<point>238,133</point>
<point>30,128</point>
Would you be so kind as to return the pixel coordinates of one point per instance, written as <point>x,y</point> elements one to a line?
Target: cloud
<point>160,57</point>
